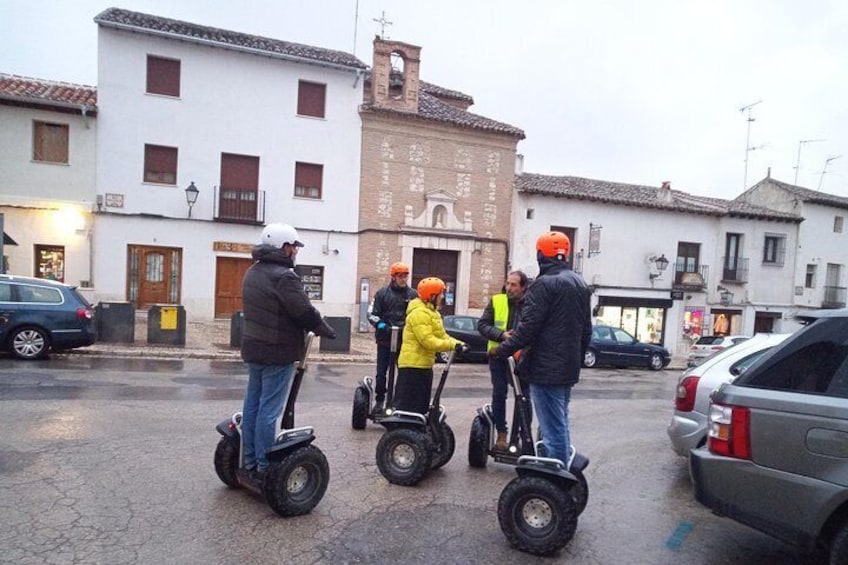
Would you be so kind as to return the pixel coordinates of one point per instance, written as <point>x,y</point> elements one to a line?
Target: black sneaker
<point>379,405</point>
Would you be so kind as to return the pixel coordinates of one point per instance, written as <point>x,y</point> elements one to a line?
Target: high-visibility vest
<point>500,304</point>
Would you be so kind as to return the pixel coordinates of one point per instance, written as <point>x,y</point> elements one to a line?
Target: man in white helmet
<point>277,313</point>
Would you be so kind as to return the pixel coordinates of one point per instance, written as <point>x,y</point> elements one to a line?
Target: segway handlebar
<point>516,382</point>
<point>301,365</point>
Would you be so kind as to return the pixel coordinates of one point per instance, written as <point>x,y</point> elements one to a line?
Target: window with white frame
<point>774,249</point>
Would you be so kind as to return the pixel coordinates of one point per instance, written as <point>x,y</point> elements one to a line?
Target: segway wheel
<point>579,491</point>
<point>404,456</point>
<point>360,408</point>
<point>227,461</point>
<point>478,443</point>
<point>537,515</point>
<point>296,483</point>
<point>444,454</point>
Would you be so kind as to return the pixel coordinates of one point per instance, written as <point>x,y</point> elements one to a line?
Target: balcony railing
<point>735,269</point>
<point>240,205</point>
<point>834,297</point>
<point>692,279</point>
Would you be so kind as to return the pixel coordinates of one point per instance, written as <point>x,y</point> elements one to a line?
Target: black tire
<point>590,359</point>
<point>296,483</point>
<point>404,456</point>
<point>227,461</point>
<point>442,456</point>
<point>580,491</point>
<point>537,515</point>
<point>29,342</point>
<point>478,443</point>
<point>360,408</point>
<point>655,363</point>
<point>839,546</point>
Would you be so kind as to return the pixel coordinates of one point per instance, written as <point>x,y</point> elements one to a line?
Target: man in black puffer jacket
<point>277,313</point>
<point>553,333</point>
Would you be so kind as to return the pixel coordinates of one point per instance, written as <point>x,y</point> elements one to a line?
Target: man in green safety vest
<point>496,324</point>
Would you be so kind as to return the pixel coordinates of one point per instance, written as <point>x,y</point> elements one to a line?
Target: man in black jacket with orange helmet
<point>553,334</point>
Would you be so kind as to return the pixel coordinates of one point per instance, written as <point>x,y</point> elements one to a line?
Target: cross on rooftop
<point>383,23</point>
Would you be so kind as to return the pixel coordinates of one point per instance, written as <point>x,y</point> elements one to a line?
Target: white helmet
<point>278,235</point>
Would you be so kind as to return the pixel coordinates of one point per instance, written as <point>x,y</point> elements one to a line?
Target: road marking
<point>675,540</point>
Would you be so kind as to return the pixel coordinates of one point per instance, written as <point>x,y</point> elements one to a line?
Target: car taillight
<point>729,432</point>
<point>716,347</point>
<point>684,401</point>
<point>86,313</point>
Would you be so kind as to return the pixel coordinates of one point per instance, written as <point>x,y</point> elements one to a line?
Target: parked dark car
<point>38,315</point>
<point>614,346</point>
<point>776,457</point>
<point>465,329</point>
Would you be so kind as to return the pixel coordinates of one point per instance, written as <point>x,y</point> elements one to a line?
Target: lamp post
<point>191,196</point>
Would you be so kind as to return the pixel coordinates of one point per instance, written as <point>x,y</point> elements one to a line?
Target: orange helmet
<point>430,287</point>
<point>399,269</point>
<point>553,244</point>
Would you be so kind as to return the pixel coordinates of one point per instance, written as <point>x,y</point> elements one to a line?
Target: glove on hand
<point>381,326</point>
<point>326,330</point>
<point>461,348</point>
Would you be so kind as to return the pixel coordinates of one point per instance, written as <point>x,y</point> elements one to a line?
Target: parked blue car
<point>38,315</point>
<point>614,346</point>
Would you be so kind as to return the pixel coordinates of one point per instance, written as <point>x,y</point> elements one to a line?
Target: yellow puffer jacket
<point>423,336</point>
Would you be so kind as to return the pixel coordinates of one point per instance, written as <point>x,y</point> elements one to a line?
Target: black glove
<point>461,348</point>
<point>326,330</point>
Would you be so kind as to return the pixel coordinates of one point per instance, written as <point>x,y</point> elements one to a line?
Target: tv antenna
<point>824,169</point>
<point>750,119</point>
<point>798,160</point>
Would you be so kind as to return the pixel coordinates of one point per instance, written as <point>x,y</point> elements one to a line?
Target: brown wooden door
<point>229,273</point>
<point>154,275</point>
<point>437,263</point>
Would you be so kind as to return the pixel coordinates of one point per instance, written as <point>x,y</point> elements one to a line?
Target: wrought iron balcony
<point>691,278</point>
<point>734,269</point>
<point>834,297</point>
<point>239,205</point>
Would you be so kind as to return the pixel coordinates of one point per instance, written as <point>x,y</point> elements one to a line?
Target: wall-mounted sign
<point>231,247</point>
<point>677,295</point>
<point>114,200</point>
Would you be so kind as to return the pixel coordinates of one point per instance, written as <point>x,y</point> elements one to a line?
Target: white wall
<point>820,245</point>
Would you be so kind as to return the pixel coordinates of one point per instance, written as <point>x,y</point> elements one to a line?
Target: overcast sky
<point>634,92</point>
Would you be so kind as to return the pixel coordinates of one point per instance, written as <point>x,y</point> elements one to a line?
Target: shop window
<point>311,99</point>
<point>163,76</point>
<point>50,262</point>
<point>308,179</point>
<point>160,164</point>
<point>313,280</point>
<point>50,142</point>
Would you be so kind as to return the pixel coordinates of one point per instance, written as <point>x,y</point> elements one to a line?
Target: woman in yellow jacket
<point>423,337</point>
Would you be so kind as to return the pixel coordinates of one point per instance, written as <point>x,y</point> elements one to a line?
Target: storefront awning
<point>8,240</point>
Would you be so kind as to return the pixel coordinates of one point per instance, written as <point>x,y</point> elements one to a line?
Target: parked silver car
<point>777,451</point>
<point>688,427</point>
<point>709,345</point>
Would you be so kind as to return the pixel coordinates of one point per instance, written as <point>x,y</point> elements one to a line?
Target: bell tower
<point>394,75</point>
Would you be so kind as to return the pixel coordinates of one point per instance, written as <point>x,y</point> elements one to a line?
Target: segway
<point>298,473</point>
<point>537,510</point>
<point>364,404</point>
<point>416,443</point>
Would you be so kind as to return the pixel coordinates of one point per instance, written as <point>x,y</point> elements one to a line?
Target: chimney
<point>396,89</point>
<point>664,193</point>
<point>519,164</point>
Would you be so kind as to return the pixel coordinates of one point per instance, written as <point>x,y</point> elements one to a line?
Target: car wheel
<point>478,443</point>
<point>655,362</point>
<point>444,454</point>
<point>360,409</point>
<point>227,460</point>
<point>296,483</point>
<point>839,545</point>
<point>29,343</point>
<point>404,456</point>
<point>590,359</point>
<point>537,515</point>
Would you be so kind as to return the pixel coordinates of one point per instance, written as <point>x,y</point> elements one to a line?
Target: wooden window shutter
<point>239,171</point>
<point>311,99</point>
<point>160,164</point>
<point>308,179</point>
<point>163,76</point>
<point>50,142</point>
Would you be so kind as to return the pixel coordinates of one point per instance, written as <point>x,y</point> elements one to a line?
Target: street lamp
<point>191,196</point>
<point>661,264</point>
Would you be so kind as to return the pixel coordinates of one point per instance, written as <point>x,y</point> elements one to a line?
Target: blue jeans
<point>550,403</point>
<point>268,389</point>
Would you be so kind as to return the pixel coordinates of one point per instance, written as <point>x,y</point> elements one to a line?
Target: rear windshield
<point>709,340</point>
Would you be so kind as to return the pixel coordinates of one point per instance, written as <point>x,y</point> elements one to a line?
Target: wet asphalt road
<point>110,461</point>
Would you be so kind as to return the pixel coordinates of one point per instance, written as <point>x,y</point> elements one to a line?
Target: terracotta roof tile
<point>441,92</point>
<point>642,196</point>
<point>156,25</point>
<point>809,195</point>
<point>431,108</point>
<point>33,90</point>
